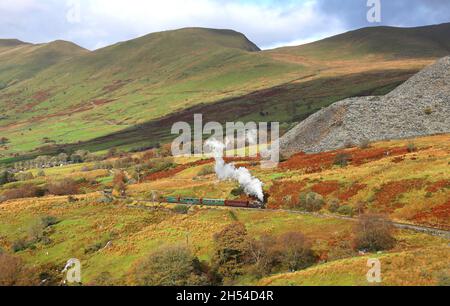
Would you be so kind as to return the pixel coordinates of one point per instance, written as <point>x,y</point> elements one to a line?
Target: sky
<point>95,24</point>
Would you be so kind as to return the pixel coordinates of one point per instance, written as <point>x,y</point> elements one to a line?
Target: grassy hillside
<point>20,61</point>
<point>130,93</point>
<point>111,238</point>
<point>397,270</point>
<point>132,82</point>
<point>389,42</point>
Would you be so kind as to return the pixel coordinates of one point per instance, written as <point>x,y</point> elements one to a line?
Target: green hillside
<point>389,42</point>
<point>135,81</point>
<point>130,93</point>
<point>20,61</point>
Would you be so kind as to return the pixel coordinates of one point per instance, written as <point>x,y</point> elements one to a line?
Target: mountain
<point>8,43</point>
<point>130,93</point>
<point>20,61</point>
<point>389,42</point>
<point>421,106</point>
<point>131,82</point>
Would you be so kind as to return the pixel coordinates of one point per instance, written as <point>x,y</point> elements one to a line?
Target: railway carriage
<point>214,202</point>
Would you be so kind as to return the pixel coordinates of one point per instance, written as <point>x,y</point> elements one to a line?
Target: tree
<point>346,210</point>
<point>311,201</point>
<point>334,205</point>
<point>166,150</point>
<point>24,191</point>
<point>297,253</point>
<point>13,272</point>
<point>24,176</point>
<point>231,250</point>
<point>3,140</point>
<point>6,177</point>
<point>265,254</point>
<point>170,266</point>
<point>119,183</point>
<point>138,172</point>
<point>36,230</point>
<point>374,233</point>
<point>62,158</point>
<point>66,186</point>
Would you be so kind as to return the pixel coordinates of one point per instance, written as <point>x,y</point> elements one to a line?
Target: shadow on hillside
<point>289,103</point>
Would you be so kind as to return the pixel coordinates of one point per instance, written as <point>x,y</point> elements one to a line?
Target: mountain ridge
<point>380,40</point>
<point>98,93</point>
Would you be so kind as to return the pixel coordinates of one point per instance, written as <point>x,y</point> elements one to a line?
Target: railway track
<point>417,228</point>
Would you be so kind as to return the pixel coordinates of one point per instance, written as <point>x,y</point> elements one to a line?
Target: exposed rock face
<point>420,106</point>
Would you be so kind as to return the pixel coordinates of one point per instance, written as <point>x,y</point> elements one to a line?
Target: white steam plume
<point>252,186</point>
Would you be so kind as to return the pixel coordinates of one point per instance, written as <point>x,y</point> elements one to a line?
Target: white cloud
<point>268,23</point>
<point>105,22</point>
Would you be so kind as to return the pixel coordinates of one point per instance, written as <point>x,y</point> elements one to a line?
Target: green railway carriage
<point>190,201</point>
<point>210,202</point>
<point>172,200</point>
<point>213,202</point>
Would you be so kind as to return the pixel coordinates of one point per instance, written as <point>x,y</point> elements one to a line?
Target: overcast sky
<point>269,23</point>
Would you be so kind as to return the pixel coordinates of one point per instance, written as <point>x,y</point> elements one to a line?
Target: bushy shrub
<point>3,140</point>
<point>230,250</point>
<point>101,244</point>
<point>206,170</point>
<point>66,186</point>
<point>72,199</point>
<point>49,221</point>
<point>6,177</point>
<point>165,150</point>
<point>93,248</point>
<point>238,191</point>
<point>20,245</point>
<point>342,159</point>
<point>170,266</point>
<point>14,273</point>
<point>310,201</point>
<point>123,163</point>
<point>160,164</point>
<point>360,208</point>
<point>181,209</point>
<point>297,253</point>
<point>264,254</point>
<point>289,252</point>
<point>374,233</point>
<point>25,191</point>
<point>24,176</point>
<point>120,183</point>
<point>346,210</point>
<point>36,230</point>
<point>333,206</point>
<point>411,147</point>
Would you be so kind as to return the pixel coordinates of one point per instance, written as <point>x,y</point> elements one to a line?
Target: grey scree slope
<point>403,113</point>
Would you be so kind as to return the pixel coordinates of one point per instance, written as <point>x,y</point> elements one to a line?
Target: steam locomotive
<point>214,202</point>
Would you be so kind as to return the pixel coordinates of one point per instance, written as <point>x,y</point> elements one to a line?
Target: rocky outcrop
<point>420,106</point>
